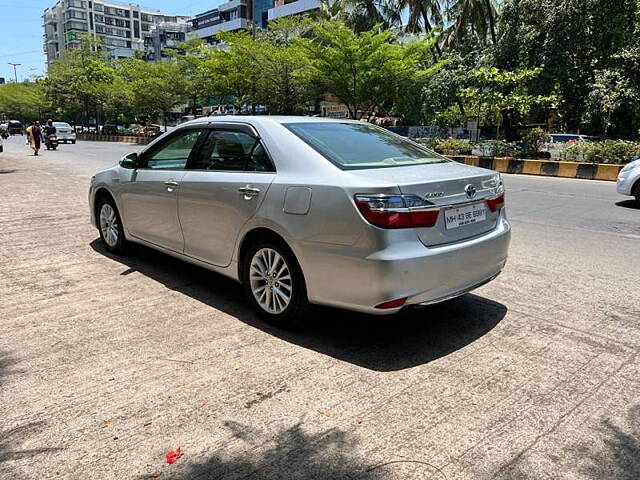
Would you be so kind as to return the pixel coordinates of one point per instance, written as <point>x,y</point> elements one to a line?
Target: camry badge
<point>434,195</point>
<point>470,190</point>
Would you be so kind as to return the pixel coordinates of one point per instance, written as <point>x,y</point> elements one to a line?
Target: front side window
<point>233,150</point>
<point>360,145</point>
<point>174,153</point>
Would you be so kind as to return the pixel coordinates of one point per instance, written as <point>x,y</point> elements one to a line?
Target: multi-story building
<point>123,28</point>
<point>284,8</point>
<point>227,17</point>
<point>240,14</point>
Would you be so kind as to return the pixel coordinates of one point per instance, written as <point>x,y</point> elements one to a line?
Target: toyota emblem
<point>470,190</point>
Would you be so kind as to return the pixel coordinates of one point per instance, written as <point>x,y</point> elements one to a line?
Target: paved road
<point>107,363</point>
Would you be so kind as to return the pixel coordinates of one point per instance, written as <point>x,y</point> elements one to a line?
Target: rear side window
<point>233,150</point>
<point>359,145</point>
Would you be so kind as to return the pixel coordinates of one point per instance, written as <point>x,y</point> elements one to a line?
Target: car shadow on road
<point>397,342</point>
<point>632,204</point>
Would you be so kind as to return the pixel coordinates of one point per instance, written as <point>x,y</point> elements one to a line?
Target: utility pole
<point>15,71</point>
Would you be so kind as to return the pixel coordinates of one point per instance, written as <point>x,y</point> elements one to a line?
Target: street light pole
<point>15,71</point>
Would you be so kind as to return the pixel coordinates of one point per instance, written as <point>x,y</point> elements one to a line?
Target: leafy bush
<point>450,146</point>
<point>534,139</point>
<point>496,148</point>
<point>607,151</point>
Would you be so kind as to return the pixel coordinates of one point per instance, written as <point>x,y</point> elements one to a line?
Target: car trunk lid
<point>460,191</point>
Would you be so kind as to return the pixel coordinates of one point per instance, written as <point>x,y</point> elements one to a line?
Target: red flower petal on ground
<point>173,455</point>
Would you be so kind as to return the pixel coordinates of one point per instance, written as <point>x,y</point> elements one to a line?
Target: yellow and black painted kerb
<point>548,168</point>
<point>115,138</point>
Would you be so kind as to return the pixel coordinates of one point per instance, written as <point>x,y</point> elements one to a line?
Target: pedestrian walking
<point>34,137</point>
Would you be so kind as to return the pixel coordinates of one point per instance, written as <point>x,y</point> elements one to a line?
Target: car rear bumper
<point>63,137</point>
<point>345,279</point>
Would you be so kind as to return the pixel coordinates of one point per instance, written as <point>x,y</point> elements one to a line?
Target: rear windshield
<point>358,145</point>
<point>61,125</point>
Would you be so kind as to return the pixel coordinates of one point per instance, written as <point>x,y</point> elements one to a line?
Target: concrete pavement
<point>108,363</point>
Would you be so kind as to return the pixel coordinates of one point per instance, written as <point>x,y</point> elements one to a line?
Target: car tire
<point>73,142</point>
<point>110,225</point>
<point>636,192</point>
<point>267,290</point>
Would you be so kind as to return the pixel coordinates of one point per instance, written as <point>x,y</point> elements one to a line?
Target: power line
<point>15,54</point>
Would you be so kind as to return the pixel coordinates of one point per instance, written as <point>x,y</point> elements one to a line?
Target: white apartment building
<point>123,28</point>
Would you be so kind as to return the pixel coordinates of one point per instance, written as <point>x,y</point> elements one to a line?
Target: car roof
<point>263,119</point>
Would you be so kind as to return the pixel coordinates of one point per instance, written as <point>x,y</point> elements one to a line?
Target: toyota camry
<point>307,211</point>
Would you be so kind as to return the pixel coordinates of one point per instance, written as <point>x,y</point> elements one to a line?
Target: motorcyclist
<point>49,129</point>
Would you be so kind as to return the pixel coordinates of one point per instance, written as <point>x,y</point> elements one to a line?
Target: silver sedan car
<point>307,211</point>
<point>629,180</point>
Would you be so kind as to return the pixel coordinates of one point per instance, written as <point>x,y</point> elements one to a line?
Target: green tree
<point>154,87</point>
<point>24,101</point>
<point>362,15</point>
<point>477,17</point>
<point>610,91</point>
<point>80,80</point>
<point>504,96</point>
<point>573,39</point>
<point>368,70</point>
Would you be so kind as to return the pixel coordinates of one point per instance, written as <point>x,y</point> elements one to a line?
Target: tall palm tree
<point>478,16</point>
<point>361,15</point>
<point>424,15</point>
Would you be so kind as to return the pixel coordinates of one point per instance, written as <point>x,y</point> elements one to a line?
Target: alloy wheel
<point>109,225</point>
<point>270,280</point>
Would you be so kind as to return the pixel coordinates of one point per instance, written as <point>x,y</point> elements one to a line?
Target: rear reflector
<point>392,211</point>
<point>496,204</point>
<point>392,304</point>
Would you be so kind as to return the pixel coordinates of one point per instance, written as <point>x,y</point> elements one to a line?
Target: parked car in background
<point>109,129</point>
<point>65,132</point>
<point>15,127</point>
<point>151,130</point>
<point>558,141</point>
<point>629,180</point>
<point>309,210</point>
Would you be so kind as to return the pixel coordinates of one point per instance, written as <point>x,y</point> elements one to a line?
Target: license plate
<point>459,217</point>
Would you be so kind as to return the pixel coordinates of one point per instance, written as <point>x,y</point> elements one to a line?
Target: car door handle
<point>249,192</point>
<point>171,185</point>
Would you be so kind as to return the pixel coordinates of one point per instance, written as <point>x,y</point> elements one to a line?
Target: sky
<point>21,30</point>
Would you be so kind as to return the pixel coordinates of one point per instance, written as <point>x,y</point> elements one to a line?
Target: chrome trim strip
<point>456,294</point>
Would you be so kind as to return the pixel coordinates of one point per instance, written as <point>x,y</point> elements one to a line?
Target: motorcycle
<point>51,142</point>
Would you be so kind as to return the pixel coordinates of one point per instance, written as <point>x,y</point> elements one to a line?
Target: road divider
<point>138,140</point>
<point>547,168</point>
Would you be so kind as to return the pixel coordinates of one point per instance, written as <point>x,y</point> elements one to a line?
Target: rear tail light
<point>397,211</point>
<point>496,204</point>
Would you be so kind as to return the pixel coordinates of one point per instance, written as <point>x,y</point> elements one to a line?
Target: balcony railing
<point>232,5</point>
<point>231,25</point>
<point>293,8</point>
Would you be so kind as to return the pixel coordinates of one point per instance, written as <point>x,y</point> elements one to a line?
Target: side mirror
<point>129,161</point>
